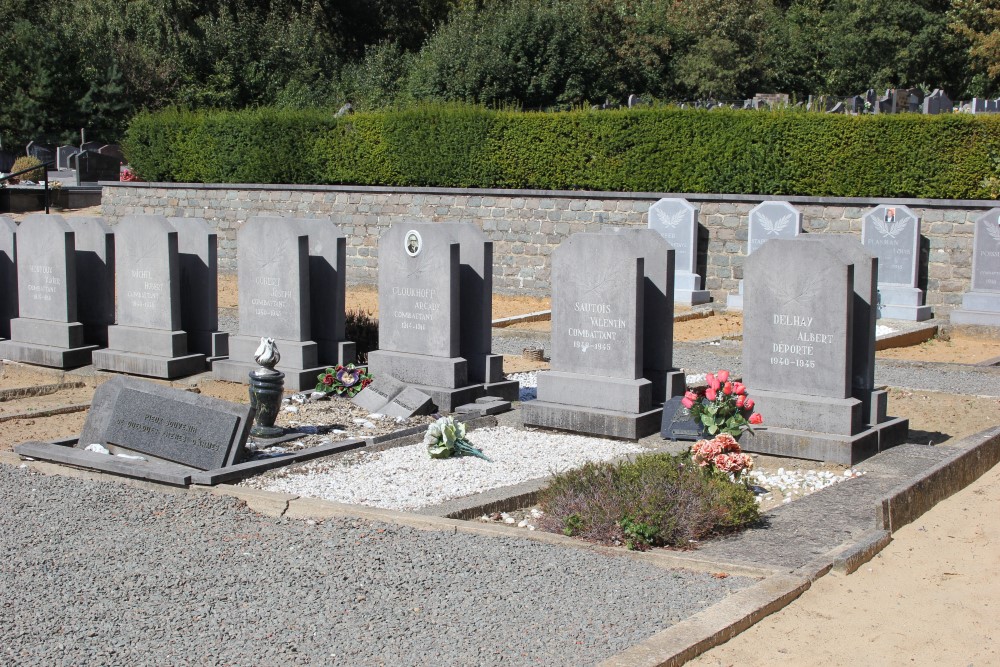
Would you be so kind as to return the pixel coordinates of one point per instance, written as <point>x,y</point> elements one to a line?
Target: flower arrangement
<point>722,453</point>
<point>446,438</point>
<point>127,174</point>
<point>343,380</point>
<point>725,406</point>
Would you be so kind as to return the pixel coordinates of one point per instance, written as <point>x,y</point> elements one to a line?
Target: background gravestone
<point>46,331</point>
<point>937,102</point>
<point>981,305</point>
<point>148,338</point>
<point>92,167</point>
<point>892,233</point>
<point>95,277</point>
<point>327,289</point>
<point>63,155</point>
<point>676,220</point>
<point>197,248</point>
<point>767,221</point>
<point>272,262</point>
<point>596,384</point>
<point>798,331</point>
<point>8,274</point>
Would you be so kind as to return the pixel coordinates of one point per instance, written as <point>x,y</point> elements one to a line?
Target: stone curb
<point>906,338</point>
<point>538,316</point>
<point>52,412</point>
<point>38,390</point>
<point>862,551</point>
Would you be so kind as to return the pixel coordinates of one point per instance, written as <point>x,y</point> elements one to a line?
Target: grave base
<point>591,421</point>
<point>982,308</point>
<point>617,395</point>
<point>296,379</point>
<point>448,398</point>
<point>814,446</point>
<point>508,390</point>
<point>899,302</point>
<point>692,297</point>
<point>735,301</point>
<point>149,365</point>
<point>418,369</point>
<point>979,317</point>
<point>909,313</point>
<point>44,355</point>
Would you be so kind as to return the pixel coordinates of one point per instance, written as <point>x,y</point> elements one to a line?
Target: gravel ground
<point>101,573</point>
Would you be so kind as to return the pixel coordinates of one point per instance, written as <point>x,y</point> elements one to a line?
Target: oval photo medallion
<point>412,243</point>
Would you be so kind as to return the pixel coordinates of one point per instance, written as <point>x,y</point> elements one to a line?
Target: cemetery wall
<point>525,225</point>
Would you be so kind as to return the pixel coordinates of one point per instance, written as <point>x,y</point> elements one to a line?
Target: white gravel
<point>882,330</point>
<point>406,478</point>
<point>529,385</point>
<point>789,484</point>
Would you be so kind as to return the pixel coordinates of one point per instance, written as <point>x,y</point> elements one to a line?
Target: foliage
<point>343,380</point>
<point>978,21</point>
<point>446,438</point>
<point>642,150</point>
<point>655,500</point>
<point>362,328</point>
<point>26,162</point>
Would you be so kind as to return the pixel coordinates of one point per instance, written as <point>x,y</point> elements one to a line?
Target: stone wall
<point>526,225</point>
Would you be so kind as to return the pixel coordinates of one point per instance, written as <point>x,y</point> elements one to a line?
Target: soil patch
<point>957,349</point>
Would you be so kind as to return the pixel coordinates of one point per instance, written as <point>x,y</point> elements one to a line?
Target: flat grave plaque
<point>377,395</point>
<point>678,424</point>
<point>193,435</point>
<point>408,403</point>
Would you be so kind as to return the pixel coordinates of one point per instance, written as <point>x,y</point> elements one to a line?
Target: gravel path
<point>101,573</point>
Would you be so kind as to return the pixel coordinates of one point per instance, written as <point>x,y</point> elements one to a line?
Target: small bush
<point>656,500</point>
<point>25,162</point>
<point>362,328</point>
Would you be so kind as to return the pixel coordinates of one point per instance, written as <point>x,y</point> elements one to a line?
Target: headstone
<point>676,220</point>
<point>596,384</point>
<point>836,108</point>
<point>63,154</point>
<point>327,289</point>
<point>8,274</point>
<point>855,104</point>
<point>798,330</point>
<point>892,233</point>
<point>979,105</point>
<point>197,247</point>
<point>272,259</point>
<point>767,221</point>
<point>981,305</point>
<point>112,150</point>
<point>937,102</point>
<point>6,161</point>
<point>166,424</point>
<point>148,338</point>
<point>92,167</point>
<point>914,100</point>
<point>95,277</point>
<point>91,146</point>
<point>421,312</point>
<point>43,152</point>
<point>378,393</point>
<point>871,101</point>
<point>47,331</point>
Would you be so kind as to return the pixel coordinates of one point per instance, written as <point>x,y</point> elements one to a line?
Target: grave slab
<point>47,297</point>
<point>768,220</point>
<point>892,234</point>
<point>378,393</point>
<point>409,403</point>
<point>676,220</point>
<point>8,275</point>
<point>981,305</point>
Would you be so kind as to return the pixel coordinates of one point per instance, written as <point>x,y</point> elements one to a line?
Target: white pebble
<point>291,408</point>
<point>97,448</point>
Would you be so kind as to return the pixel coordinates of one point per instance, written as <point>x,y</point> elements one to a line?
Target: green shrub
<point>655,500</point>
<point>644,150</point>
<point>26,162</point>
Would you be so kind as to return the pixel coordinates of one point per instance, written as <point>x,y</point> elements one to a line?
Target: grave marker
<point>47,331</point>
<point>327,289</point>
<point>981,305</point>
<point>148,338</point>
<point>197,247</point>
<point>892,233</point>
<point>798,347</point>
<point>596,384</point>
<point>676,220</point>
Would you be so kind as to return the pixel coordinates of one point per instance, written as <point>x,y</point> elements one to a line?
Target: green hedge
<point>948,156</point>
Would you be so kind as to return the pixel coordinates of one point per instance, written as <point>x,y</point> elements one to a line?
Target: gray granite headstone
<point>797,323</point>
<point>8,274</point>
<point>95,276</point>
<point>46,269</point>
<point>273,278</point>
<point>378,393</point>
<point>169,424</point>
<point>92,167</point>
<point>772,220</point>
<point>981,305</point>
<point>937,102</point>
<point>892,233</point>
<point>676,220</point>
<point>148,273</point>
<point>197,257</point>
<point>418,300</point>
<point>63,155</point>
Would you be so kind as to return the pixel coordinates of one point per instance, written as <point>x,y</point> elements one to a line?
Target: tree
<point>978,21</point>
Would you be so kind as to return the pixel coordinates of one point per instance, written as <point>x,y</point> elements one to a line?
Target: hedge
<point>949,156</point>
